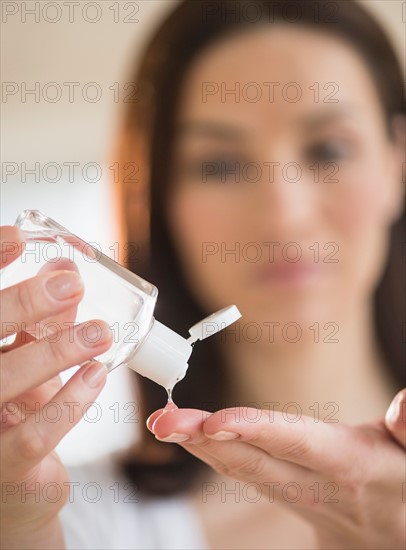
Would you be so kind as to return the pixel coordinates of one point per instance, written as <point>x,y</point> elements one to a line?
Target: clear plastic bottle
<point>114,294</point>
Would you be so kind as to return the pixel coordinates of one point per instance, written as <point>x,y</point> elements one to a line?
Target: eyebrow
<point>323,117</point>
<point>227,132</point>
<point>211,129</point>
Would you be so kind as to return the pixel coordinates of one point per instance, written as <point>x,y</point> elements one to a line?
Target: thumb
<point>395,418</point>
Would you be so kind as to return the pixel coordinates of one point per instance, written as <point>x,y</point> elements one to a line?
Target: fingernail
<point>64,285</point>
<point>92,334</point>
<point>174,438</point>
<point>223,436</point>
<point>94,374</point>
<point>149,421</point>
<point>393,412</point>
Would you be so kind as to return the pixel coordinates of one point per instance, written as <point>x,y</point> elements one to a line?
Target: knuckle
<point>298,449</point>
<point>57,352</point>
<point>352,486</point>
<point>355,475</point>
<point>222,469</point>
<point>252,468</point>
<point>25,300</point>
<point>353,480</point>
<point>5,382</point>
<point>354,492</point>
<point>203,442</point>
<point>29,445</point>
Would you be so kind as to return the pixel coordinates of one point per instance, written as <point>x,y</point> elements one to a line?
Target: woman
<point>272,138</point>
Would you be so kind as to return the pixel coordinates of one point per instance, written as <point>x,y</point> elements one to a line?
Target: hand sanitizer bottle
<point>122,299</point>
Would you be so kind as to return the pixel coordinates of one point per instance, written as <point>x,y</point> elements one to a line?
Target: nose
<point>286,199</point>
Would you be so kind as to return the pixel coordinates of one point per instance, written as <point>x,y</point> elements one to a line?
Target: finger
<point>151,419</point>
<point>50,326</point>
<point>37,298</point>
<point>13,411</point>
<point>62,263</point>
<point>46,327</point>
<point>35,363</point>
<point>35,331</point>
<point>395,419</point>
<point>10,415</point>
<point>229,457</point>
<point>30,441</point>
<point>302,442</point>
<point>20,339</point>
<point>12,244</point>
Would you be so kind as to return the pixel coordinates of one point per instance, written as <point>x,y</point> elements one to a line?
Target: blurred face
<point>285,181</point>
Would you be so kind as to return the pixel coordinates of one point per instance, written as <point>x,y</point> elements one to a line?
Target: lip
<point>285,274</point>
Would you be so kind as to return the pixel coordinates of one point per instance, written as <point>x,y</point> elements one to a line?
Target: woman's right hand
<point>34,482</point>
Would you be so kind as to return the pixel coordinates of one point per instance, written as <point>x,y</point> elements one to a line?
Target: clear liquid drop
<point>170,405</point>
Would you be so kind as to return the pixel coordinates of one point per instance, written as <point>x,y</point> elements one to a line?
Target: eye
<point>329,151</point>
<point>225,169</point>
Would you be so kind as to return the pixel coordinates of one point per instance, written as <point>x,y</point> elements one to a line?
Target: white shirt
<point>105,511</point>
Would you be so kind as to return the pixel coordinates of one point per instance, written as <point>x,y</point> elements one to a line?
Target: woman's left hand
<point>360,469</point>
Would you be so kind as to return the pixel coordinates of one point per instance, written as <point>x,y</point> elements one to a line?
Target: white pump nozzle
<point>164,354</point>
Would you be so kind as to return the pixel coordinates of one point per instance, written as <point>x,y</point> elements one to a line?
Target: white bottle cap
<point>164,354</point>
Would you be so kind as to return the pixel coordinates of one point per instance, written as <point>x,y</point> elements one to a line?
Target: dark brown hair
<point>146,144</point>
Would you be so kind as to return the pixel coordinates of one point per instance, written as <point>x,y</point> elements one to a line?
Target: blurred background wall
<point>65,68</point>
